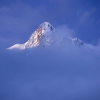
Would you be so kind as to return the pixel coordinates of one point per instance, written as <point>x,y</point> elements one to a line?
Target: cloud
<point>55,72</point>
<point>62,31</point>
<point>85,16</point>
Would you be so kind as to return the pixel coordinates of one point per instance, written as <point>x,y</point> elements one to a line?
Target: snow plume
<point>58,72</point>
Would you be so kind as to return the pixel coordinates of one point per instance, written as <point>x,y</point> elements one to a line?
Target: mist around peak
<point>47,35</point>
<point>53,72</point>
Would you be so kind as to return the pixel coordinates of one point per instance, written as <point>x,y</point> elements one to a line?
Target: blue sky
<point>59,72</point>
<point>20,17</point>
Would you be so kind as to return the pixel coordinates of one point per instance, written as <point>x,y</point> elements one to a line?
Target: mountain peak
<point>47,27</point>
<point>74,41</point>
<point>46,24</point>
<point>44,35</point>
<point>77,41</point>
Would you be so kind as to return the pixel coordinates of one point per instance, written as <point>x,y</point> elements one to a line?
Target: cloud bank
<point>56,72</point>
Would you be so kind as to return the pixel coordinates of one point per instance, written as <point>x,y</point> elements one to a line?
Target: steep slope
<point>44,35</point>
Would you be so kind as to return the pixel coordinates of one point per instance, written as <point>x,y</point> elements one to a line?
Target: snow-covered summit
<point>44,35</point>
<point>47,27</point>
<point>74,41</point>
<point>77,41</point>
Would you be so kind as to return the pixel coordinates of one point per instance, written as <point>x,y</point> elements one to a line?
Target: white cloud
<point>84,16</point>
<point>55,72</point>
<point>64,31</point>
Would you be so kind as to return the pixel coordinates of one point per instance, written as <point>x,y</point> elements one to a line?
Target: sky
<point>20,18</point>
<point>59,72</point>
